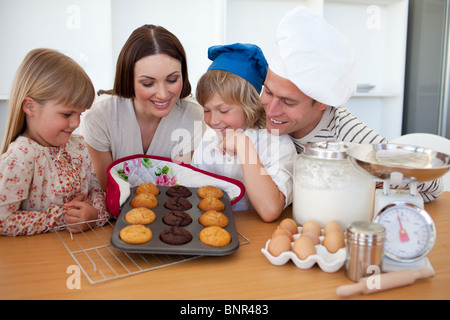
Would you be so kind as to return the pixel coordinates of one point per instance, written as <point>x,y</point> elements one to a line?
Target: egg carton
<point>328,262</point>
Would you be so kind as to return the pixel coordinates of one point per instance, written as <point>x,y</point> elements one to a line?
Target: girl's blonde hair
<point>233,90</point>
<point>45,75</point>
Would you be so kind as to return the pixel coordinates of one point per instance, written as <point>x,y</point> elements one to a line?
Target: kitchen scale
<point>410,230</point>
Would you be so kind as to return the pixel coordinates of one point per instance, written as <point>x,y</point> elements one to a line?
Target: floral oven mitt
<point>126,173</point>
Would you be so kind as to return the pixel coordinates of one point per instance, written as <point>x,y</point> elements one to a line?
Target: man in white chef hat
<point>309,80</point>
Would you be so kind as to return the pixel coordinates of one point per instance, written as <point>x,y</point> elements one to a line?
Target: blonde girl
<point>46,176</point>
<point>236,144</point>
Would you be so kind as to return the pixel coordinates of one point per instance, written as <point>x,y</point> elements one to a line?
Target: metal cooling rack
<point>100,262</point>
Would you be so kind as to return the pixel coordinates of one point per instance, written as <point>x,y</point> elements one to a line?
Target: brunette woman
<point>149,110</point>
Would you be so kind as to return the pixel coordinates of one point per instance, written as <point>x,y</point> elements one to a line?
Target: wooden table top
<point>41,267</point>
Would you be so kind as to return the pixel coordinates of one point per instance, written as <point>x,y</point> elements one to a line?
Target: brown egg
<point>311,234</point>
<point>289,224</point>
<point>312,226</point>
<point>303,248</point>
<point>332,226</point>
<point>281,231</point>
<point>278,245</point>
<point>334,241</point>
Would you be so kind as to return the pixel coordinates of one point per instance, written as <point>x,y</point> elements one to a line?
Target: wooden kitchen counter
<point>36,267</point>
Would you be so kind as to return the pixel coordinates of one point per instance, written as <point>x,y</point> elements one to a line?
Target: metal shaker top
<point>366,233</point>
<point>332,150</point>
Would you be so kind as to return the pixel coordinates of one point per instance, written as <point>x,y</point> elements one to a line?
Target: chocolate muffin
<point>179,191</point>
<point>178,204</point>
<point>175,235</point>
<point>177,218</point>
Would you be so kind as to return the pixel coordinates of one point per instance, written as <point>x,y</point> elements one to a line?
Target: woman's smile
<point>161,104</point>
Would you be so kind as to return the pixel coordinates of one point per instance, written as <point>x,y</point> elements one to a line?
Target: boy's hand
<point>232,141</point>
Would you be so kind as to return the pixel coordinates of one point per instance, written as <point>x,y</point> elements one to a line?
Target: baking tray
<point>155,245</point>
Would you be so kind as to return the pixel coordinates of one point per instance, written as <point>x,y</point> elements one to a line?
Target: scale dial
<point>410,231</point>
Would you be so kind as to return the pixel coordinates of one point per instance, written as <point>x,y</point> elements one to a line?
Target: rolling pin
<point>387,281</point>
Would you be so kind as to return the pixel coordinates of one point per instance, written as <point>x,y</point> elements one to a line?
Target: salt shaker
<point>365,244</point>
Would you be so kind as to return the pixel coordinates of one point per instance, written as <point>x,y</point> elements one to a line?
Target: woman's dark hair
<point>145,41</point>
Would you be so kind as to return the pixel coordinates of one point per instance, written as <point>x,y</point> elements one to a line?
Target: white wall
<point>256,21</point>
<point>94,31</point>
<point>3,110</point>
<point>197,23</point>
<point>78,28</point>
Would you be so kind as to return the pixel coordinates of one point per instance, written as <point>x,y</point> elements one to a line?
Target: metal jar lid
<point>333,150</point>
<point>366,233</point>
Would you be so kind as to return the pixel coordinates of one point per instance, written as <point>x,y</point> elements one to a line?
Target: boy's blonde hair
<point>45,75</point>
<point>234,90</point>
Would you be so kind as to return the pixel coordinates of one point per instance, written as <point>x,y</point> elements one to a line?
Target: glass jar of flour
<point>328,188</point>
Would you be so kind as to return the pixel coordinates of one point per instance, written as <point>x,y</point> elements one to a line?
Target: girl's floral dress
<point>36,181</point>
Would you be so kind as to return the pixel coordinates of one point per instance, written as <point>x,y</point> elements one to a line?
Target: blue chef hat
<point>242,59</point>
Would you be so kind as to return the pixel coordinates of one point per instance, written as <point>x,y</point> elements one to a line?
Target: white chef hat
<point>315,57</point>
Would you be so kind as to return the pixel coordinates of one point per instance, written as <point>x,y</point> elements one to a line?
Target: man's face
<point>289,110</point>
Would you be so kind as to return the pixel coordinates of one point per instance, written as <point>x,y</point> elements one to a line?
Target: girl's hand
<point>78,211</point>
